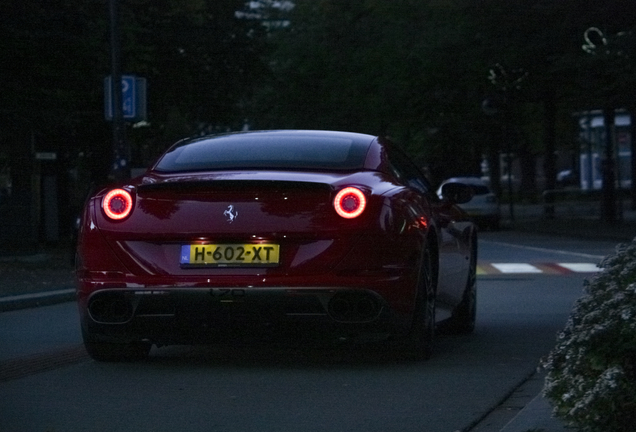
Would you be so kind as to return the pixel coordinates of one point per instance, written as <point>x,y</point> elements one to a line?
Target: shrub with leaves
<point>591,372</point>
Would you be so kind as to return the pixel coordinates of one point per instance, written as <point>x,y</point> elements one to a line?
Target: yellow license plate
<point>250,255</point>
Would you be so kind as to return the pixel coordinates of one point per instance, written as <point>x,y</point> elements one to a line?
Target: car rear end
<point>186,258</point>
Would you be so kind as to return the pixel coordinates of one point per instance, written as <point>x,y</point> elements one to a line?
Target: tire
<point>465,314</point>
<point>422,334</point>
<point>115,352</point>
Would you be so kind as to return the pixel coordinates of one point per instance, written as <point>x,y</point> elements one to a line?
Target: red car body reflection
<point>246,234</point>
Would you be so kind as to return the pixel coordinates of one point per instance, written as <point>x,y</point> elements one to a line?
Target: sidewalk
<point>580,220</point>
<point>536,416</point>
<point>37,280</point>
<point>525,410</point>
<point>47,278</point>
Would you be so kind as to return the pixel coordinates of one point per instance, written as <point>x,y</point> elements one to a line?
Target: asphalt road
<point>48,384</point>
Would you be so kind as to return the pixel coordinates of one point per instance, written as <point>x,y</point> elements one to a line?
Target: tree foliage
<point>592,369</point>
<point>417,70</point>
<point>378,67</point>
<point>200,60</point>
<point>51,56</point>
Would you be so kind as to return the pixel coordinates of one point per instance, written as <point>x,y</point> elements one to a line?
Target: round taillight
<point>350,202</point>
<point>117,204</point>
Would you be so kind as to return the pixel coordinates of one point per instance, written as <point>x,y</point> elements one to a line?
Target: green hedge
<point>591,372</point>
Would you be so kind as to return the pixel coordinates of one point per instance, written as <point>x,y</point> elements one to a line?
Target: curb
<point>536,416</point>
<point>25,301</point>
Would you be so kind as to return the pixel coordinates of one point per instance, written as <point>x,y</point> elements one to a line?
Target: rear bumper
<point>192,315</point>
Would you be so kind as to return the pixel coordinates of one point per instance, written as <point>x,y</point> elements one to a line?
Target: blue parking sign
<point>128,96</point>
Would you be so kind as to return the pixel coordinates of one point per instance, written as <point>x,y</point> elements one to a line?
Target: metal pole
<point>120,169</point>
<point>508,136</point>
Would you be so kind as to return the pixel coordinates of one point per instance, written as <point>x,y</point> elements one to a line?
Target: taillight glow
<point>350,202</point>
<point>117,204</point>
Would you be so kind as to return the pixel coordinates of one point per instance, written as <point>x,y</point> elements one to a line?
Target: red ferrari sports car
<point>262,233</point>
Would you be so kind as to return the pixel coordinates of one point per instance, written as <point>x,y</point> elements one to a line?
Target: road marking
<point>516,268</point>
<point>488,268</point>
<point>539,249</point>
<point>580,267</point>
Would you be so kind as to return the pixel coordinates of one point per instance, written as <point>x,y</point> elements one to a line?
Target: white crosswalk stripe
<point>516,268</point>
<point>580,267</point>
<point>489,268</point>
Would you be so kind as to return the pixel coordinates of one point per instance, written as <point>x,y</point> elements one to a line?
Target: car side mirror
<point>457,193</point>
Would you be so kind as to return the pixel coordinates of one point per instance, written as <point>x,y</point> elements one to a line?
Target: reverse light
<point>117,204</point>
<point>350,202</point>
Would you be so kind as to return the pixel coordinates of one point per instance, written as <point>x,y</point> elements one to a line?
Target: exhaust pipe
<point>110,308</point>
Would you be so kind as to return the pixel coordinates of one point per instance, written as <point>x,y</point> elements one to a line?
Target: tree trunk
<point>549,162</point>
<point>549,138</point>
<point>528,187</point>
<point>608,204</point>
<point>494,165</point>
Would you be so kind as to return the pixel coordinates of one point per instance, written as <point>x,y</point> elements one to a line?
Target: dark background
<point>455,82</point>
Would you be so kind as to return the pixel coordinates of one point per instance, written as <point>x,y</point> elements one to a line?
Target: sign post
<point>132,103</point>
<point>120,168</point>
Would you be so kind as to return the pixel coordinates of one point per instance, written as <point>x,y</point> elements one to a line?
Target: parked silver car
<point>483,208</point>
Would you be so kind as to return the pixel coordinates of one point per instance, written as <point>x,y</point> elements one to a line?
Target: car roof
<point>467,180</point>
<point>285,149</point>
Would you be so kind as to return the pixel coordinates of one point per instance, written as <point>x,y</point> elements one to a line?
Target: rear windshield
<point>267,151</point>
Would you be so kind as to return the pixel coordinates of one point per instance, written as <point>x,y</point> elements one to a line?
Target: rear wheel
<point>422,333</point>
<point>115,352</point>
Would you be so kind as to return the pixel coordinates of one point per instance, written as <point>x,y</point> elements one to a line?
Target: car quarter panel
<point>456,236</point>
